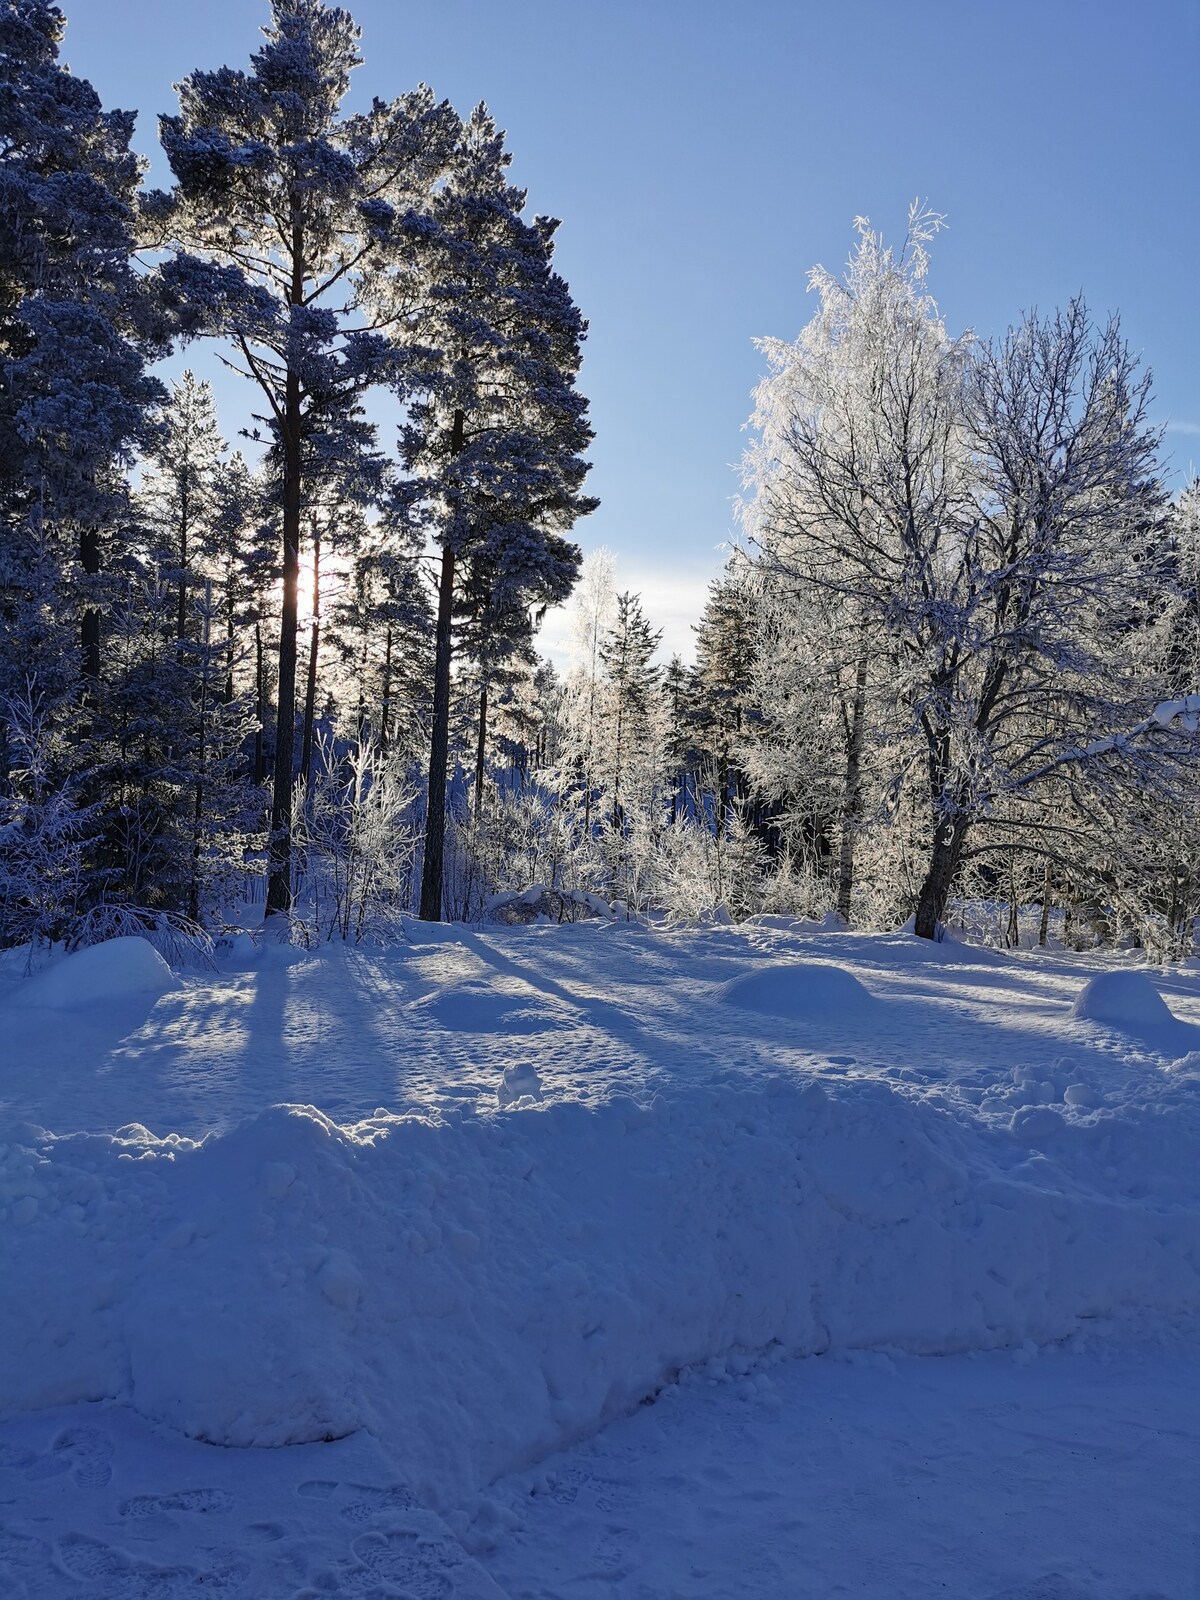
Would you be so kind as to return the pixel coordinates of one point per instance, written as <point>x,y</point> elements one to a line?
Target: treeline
<point>154,684</point>
<point>956,662</point>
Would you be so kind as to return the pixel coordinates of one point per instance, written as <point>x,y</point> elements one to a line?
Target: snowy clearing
<point>463,1206</point>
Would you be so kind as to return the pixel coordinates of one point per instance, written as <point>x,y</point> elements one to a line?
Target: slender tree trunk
<point>435,814</point>
<point>385,706</point>
<point>481,749</point>
<point>433,865</point>
<point>310,690</point>
<point>260,707</point>
<point>279,883</point>
<point>184,517</point>
<point>1044,923</point>
<point>279,880</point>
<point>89,626</point>
<point>201,771</point>
<point>229,651</point>
<point>852,794</point>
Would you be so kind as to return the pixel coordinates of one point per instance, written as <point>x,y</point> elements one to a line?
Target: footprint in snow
<point>317,1489</point>
<point>372,1503</point>
<point>201,1501</point>
<point>87,1454</point>
<point>418,1567</point>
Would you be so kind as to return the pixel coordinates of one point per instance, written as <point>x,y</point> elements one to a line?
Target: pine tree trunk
<point>260,708</point>
<point>310,690</point>
<point>279,882</point>
<point>433,864</point>
<point>439,744</point>
<point>481,749</point>
<point>201,773</point>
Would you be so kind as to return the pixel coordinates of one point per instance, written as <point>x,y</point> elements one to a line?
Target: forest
<point>950,670</point>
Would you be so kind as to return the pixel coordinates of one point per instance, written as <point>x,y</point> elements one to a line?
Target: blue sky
<point>704,155</point>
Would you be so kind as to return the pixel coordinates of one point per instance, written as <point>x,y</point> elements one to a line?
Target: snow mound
<point>423,1277</point>
<point>799,990</point>
<point>1124,1000</point>
<point>480,1008</point>
<point>115,970</point>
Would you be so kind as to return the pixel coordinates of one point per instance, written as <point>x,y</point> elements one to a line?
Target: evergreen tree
<point>494,444</point>
<point>76,328</point>
<point>726,638</point>
<point>179,502</point>
<point>295,228</point>
<point>632,680</point>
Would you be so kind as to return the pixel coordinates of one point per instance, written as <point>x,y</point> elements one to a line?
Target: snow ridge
<point>481,1289</point>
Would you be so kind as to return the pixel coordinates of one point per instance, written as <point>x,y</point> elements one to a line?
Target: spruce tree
<point>626,654</point>
<point>180,502</point>
<point>76,329</point>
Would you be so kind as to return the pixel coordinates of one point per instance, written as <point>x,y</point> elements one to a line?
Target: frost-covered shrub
<point>44,832</point>
<point>356,837</point>
<point>179,941</point>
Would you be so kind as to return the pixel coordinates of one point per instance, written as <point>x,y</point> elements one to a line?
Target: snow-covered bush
<point>356,836</point>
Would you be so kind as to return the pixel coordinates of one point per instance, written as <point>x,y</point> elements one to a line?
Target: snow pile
<point>1125,1000</point>
<point>482,1289</point>
<point>116,970</point>
<point>800,991</point>
<point>1129,1003</point>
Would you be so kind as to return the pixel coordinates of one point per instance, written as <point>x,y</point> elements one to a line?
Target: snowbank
<point>1126,1000</point>
<point>800,991</point>
<point>116,970</point>
<point>481,1289</point>
<point>1130,1003</point>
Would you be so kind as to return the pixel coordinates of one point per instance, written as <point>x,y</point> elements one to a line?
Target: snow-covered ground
<point>597,1260</point>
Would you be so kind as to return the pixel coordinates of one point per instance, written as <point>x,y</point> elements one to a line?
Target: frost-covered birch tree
<point>982,512</point>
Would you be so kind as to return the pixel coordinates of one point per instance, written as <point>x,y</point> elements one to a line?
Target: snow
<point>476,1201</point>
<point>799,991</point>
<point>104,973</point>
<point>1126,1000</point>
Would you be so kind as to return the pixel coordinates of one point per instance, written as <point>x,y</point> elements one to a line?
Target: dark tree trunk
<point>89,627</point>
<point>950,833</point>
<point>433,863</point>
<point>184,517</point>
<point>260,707</point>
<point>279,883</point>
<point>481,749</point>
<point>310,690</point>
<point>439,745</point>
<point>201,774</point>
<point>385,706</point>
<point>1044,924</point>
<point>279,880</point>
<point>229,653</point>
